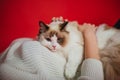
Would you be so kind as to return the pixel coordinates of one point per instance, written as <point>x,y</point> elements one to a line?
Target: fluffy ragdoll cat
<point>109,51</point>
<point>65,39</point>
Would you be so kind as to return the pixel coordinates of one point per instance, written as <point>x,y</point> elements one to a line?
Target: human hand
<point>91,46</point>
<point>60,19</point>
<point>87,28</point>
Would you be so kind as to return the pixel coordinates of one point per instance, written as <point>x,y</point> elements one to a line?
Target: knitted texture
<point>91,70</point>
<point>26,60</point>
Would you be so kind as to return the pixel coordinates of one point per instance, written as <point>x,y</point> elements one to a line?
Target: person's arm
<point>91,68</point>
<point>91,46</point>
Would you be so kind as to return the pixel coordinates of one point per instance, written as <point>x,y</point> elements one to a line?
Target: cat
<point>109,51</point>
<point>65,39</point>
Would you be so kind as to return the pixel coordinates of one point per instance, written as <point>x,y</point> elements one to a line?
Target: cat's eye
<point>48,39</point>
<point>60,40</point>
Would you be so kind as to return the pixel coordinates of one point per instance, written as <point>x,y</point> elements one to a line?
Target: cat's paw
<point>69,73</point>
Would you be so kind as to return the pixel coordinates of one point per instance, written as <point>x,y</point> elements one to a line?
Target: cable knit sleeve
<point>29,60</point>
<point>91,70</point>
<point>26,59</point>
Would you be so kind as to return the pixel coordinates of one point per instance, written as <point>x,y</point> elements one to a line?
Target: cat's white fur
<point>43,41</point>
<point>104,35</point>
<point>73,51</point>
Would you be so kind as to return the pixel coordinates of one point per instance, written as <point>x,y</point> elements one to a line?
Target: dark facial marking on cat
<point>63,25</point>
<point>61,33</point>
<point>60,40</point>
<point>43,27</point>
<point>61,36</point>
<point>52,33</point>
<point>48,39</point>
<point>117,24</point>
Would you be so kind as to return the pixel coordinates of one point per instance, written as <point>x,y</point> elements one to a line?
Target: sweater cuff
<point>92,68</point>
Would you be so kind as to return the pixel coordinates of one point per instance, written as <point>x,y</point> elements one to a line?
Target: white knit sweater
<point>26,59</point>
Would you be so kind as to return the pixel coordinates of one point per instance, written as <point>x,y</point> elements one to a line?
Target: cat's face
<point>53,36</point>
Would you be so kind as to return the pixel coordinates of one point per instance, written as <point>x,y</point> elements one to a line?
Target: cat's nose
<point>54,46</point>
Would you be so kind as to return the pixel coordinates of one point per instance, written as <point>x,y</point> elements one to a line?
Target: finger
<point>96,28</point>
<point>93,25</point>
<point>84,23</point>
<point>81,27</point>
<point>61,18</point>
<point>66,20</point>
<point>88,24</point>
<point>57,19</point>
<point>53,19</point>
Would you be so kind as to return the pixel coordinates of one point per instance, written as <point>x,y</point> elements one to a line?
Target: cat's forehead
<point>52,33</point>
<point>54,25</point>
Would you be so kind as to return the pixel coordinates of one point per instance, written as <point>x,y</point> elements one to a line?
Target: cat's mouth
<point>53,50</point>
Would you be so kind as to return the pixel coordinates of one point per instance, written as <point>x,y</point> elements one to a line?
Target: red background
<point>19,18</point>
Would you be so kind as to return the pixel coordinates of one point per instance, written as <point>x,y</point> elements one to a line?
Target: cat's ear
<point>117,24</point>
<point>63,25</point>
<point>43,27</point>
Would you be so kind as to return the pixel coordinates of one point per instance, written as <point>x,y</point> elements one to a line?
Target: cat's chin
<point>53,50</point>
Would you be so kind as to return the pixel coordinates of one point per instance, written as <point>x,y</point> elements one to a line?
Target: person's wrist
<point>88,34</point>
